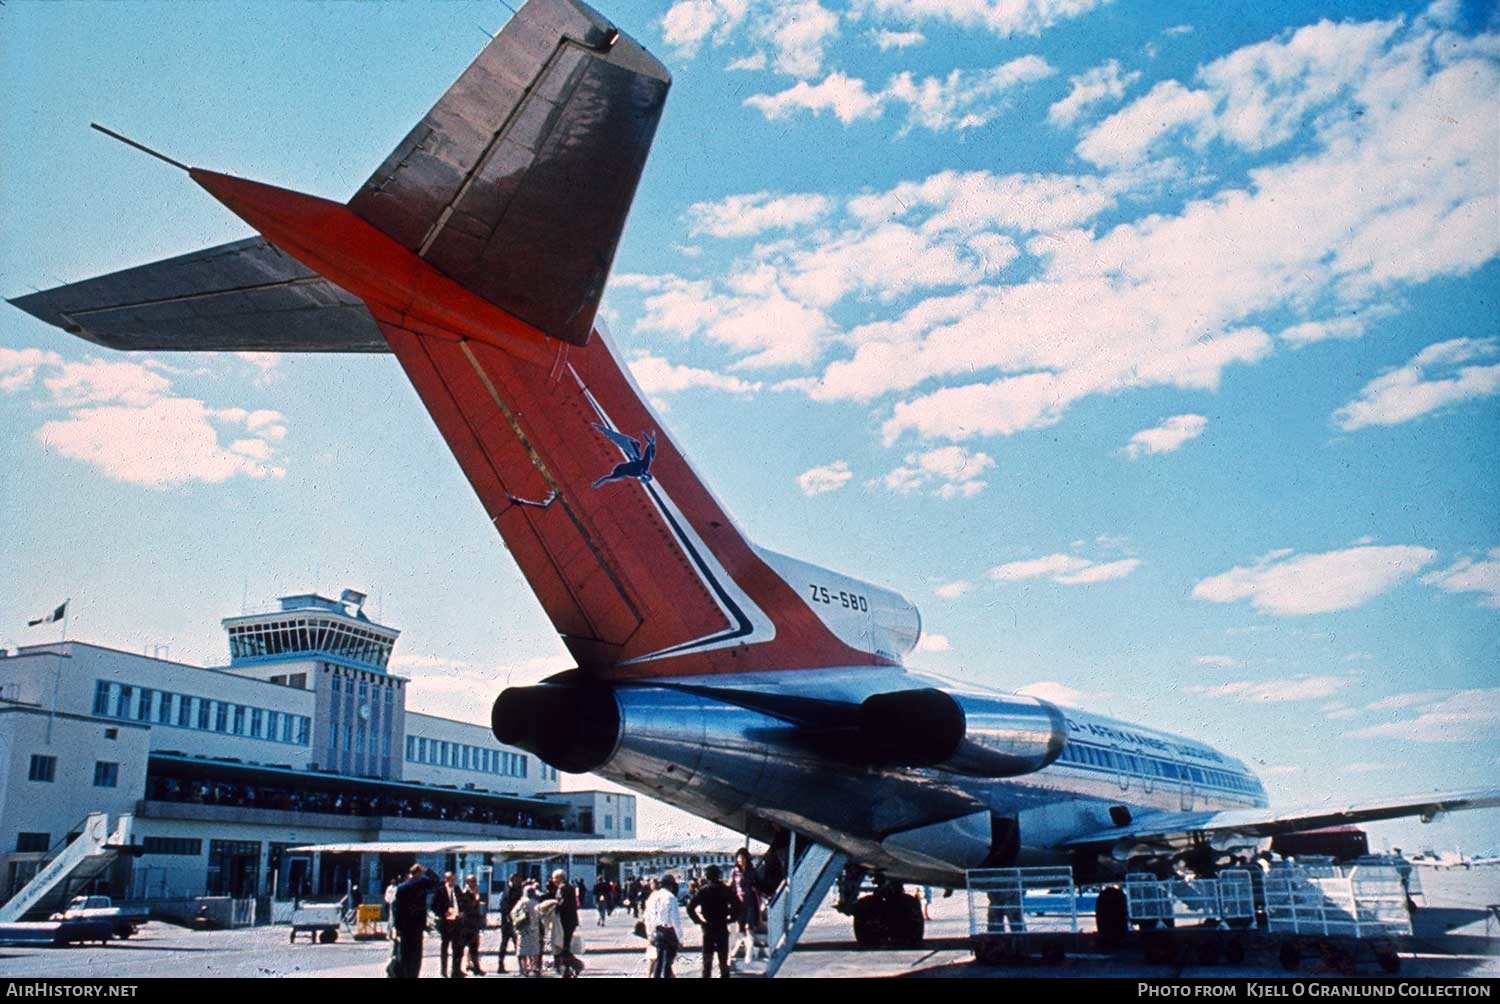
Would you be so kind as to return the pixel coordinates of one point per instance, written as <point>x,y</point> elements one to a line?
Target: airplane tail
<point>479,251</point>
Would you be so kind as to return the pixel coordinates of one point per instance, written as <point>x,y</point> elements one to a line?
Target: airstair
<point>70,867</point>
<point>814,870</point>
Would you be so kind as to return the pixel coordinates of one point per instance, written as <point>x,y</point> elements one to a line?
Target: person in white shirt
<point>663,927</point>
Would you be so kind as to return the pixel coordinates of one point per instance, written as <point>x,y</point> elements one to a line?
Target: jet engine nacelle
<point>972,734</point>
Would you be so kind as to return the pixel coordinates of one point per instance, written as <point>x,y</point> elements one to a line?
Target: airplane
<point>751,688</point>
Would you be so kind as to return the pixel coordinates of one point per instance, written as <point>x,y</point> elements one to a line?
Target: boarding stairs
<point>814,870</point>
<point>70,867</point>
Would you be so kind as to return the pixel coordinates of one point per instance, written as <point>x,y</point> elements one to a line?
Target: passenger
<point>713,908</point>
<point>566,895</point>
<point>601,899</point>
<point>743,882</point>
<point>663,927</point>
<point>445,911</point>
<point>411,918</point>
<point>390,909</point>
<point>528,931</point>
<point>514,891</point>
<point>471,910</point>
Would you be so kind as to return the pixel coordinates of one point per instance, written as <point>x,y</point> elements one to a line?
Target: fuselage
<point>758,750</point>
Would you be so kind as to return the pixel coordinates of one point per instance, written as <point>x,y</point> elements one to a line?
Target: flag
<point>51,618</point>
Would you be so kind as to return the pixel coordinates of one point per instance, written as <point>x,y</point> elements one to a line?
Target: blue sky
<point>1151,349</point>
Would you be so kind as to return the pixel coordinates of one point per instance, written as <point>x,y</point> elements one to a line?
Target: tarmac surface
<point>1451,940</point>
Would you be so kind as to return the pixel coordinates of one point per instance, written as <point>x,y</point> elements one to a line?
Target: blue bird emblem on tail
<point>637,457</point>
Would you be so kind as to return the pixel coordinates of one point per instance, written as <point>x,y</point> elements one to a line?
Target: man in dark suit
<point>567,906</point>
<point>445,909</point>
<point>410,909</point>
<point>713,907</point>
<point>514,890</point>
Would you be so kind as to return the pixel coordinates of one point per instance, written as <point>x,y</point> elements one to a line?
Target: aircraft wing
<point>1180,828</point>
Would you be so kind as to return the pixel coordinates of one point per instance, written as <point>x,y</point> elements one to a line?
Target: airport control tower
<point>330,647</point>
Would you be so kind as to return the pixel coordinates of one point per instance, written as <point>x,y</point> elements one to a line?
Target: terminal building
<point>303,738</point>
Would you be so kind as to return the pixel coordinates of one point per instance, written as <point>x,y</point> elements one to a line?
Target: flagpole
<point>57,673</point>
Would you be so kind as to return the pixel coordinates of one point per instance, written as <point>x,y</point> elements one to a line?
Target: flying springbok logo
<point>637,459</point>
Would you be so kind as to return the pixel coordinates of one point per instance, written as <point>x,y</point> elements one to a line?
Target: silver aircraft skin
<point>761,692</point>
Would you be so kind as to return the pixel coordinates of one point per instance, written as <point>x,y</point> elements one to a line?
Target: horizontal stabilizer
<point>517,183</point>
<point>245,296</point>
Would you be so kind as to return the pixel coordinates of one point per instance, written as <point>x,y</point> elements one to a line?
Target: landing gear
<point>888,918</point>
<point>1111,915</point>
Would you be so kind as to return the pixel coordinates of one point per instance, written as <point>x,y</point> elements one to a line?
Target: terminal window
<point>43,768</point>
<point>106,774</point>
<point>31,843</point>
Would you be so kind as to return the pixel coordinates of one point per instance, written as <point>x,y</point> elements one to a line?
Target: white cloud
<point>1101,83</point>
<point>1125,137</point>
<point>688,23</point>
<point>162,443</point>
<point>797,32</point>
<point>1471,575</point>
<point>953,590</point>
<point>1397,701</point>
<point>1339,713</point>
<point>18,367</point>
<point>1003,17</point>
<point>1301,688</point>
<point>1341,328</point>
<point>934,643</point>
<point>948,472</point>
<point>1064,569</point>
<point>885,39</point>
<point>657,376</point>
<point>964,99</point>
<point>446,687</point>
<point>1217,661</point>
<point>754,61</point>
<point>846,97</point>
<point>1432,380</point>
<point>756,319</point>
<point>1315,583</point>
<point>1054,692</point>
<point>1166,437</point>
<point>828,478</point>
<point>99,382</point>
<point>123,419</point>
<point>972,201</point>
<point>1469,716</point>
<point>266,362</point>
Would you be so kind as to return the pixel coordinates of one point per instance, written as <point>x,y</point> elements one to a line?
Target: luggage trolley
<point>1199,916</point>
<point>1022,912</point>
<point>1337,914</point>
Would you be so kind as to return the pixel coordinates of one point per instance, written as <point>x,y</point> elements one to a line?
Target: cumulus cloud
<point>1101,83</point>
<point>122,418</point>
<point>1468,716</point>
<point>1434,379</point>
<point>1300,688</point>
<point>657,376</point>
<point>790,36</point>
<point>1341,329</point>
<point>963,99</point>
<point>755,213</point>
<point>1286,584</point>
<point>1003,17</point>
<point>1166,437</point>
<point>1064,569</point>
<point>1471,575</point>
<point>825,479</point>
<point>885,39</point>
<point>934,643</point>
<point>953,590</point>
<point>948,472</point>
<point>1056,693</point>
<point>18,367</point>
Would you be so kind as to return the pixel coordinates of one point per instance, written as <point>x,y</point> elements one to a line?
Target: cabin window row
<point>1134,763</point>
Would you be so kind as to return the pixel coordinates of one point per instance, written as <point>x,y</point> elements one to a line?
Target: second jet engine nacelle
<point>974,734</point>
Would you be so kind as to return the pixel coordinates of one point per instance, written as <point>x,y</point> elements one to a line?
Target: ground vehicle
<point>124,921</point>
